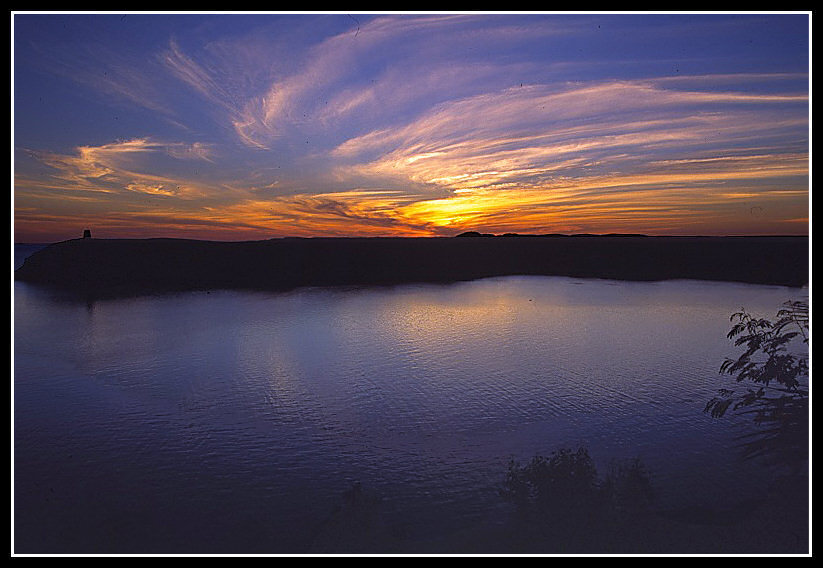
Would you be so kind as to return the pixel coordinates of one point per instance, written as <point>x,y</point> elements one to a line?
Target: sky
<point>256,126</point>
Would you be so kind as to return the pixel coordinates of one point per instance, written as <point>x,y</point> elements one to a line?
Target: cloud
<point>427,124</point>
<point>111,75</point>
<point>117,166</point>
<point>536,133</point>
<point>369,71</point>
<point>194,151</point>
<point>197,76</point>
<point>543,158</point>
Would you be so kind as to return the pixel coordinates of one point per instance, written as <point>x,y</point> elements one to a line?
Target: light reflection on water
<point>232,422</point>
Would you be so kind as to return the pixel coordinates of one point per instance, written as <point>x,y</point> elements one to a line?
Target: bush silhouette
<point>563,505</point>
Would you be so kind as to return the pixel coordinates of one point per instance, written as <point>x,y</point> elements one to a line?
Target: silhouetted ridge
<point>127,266</point>
<point>478,234</point>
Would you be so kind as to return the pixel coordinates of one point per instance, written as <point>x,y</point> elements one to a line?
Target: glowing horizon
<point>242,127</point>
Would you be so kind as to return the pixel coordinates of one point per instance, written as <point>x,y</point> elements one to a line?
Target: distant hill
<point>478,234</point>
<point>136,266</point>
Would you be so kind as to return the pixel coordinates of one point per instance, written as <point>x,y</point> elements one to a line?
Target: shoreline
<point>116,267</point>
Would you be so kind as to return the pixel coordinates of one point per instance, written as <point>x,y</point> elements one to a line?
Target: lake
<point>235,422</point>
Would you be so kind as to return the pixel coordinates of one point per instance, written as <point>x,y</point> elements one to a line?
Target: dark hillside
<point>136,266</point>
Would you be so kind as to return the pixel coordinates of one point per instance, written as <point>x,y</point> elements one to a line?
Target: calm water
<point>233,422</point>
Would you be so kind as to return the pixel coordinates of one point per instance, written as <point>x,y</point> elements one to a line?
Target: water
<point>231,422</point>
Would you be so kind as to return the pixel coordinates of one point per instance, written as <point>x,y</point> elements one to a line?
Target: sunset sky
<point>253,126</point>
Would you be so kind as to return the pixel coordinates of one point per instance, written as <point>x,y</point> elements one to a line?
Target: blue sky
<point>250,126</point>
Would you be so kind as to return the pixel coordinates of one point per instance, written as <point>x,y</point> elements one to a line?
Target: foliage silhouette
<point>560,505</point>
<point>563,505</point>
<point>775,364</point>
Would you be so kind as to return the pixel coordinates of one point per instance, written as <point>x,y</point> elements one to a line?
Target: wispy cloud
<point>376,67</point>
<point>423,124</point>
<point>199,77</point>
<point>117,166</point>
<point>109,74</point>
<point>531,134</point>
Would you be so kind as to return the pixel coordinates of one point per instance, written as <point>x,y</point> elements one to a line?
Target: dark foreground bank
<point>110,267</point>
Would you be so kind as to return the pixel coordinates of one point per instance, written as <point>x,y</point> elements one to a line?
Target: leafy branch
<point>775,365</point>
